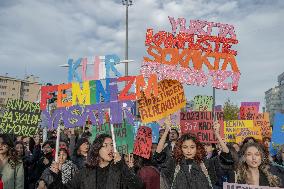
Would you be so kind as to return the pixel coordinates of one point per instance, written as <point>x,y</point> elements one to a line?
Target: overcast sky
<point>36,36</point>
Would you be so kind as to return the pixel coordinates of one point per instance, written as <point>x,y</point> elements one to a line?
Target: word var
<point>220,78</point>
<point>93,90</point>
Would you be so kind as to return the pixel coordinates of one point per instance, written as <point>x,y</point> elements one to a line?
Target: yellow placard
<point>231,126</point>
<point>254,132</point>
<point>170,99</point>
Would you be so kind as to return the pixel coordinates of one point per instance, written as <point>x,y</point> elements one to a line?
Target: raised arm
<point>216,128</point>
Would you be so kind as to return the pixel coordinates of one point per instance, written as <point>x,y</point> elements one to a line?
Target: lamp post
<point>127,3</point>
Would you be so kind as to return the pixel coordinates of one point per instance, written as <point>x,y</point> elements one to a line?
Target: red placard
<point>201,124</point>
<point>143,142</point>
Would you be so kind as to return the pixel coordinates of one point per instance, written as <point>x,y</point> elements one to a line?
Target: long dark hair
<point>93,158</point>
<point>11,154</point>
<point>200,151</point>
<point>242,169</point>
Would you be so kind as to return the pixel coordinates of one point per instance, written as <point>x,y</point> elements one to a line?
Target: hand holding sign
<point>216,128</point>
<point>168,123</point>
<point>117,157</point>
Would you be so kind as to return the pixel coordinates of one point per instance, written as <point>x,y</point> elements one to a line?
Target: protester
<point>187,169</point>
<point>104,169</point>
<point>11,168</point>
<point>148,173</point>
<point>80,153</point>
<point>67,168</point>
<point>252,169</point>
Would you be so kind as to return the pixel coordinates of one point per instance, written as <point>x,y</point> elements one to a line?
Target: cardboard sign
<point>256,104</point>
<point>203,103</point>
<point>230,128</point>
<point>201,124</point>
<point>170,99</point>
<point>262,121</point>
<point>227,185</point>
<point>248,112</point>
<point>143,143</point>
<point>254,132</point>
<point>278,133</point>
<point>21,118</point>
<point>123,135</point>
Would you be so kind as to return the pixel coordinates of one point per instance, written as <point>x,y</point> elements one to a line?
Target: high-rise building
<point>27,89</point>
<point>274,98</point>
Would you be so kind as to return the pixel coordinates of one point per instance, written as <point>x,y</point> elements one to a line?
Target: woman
<point>11,168</point>
<point>104,170</point>
<point>80,152</point>
<point>253,170</point>
<point>186,168</point>
<point>67,168</point>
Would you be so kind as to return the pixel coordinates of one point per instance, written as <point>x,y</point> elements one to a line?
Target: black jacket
<point>187,176</point>
<point>119,177</point>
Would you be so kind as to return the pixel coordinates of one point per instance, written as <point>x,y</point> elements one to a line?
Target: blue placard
<point>278,133</point>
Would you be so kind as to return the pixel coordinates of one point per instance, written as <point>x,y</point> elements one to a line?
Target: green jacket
<point>12,178</point>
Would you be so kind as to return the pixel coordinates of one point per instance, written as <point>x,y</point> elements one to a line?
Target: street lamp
<point>127,3</point>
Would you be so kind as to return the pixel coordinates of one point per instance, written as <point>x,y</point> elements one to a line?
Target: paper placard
<point>171,98</point>
<point>143,142</point>
<point>201,124</point>
<point>21,118</point>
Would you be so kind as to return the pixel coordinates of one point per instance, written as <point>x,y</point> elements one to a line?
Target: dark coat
<point>119,177</point>
<point>186,177</point>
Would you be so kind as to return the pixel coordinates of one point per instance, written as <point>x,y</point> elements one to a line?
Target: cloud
<point>38,36</point>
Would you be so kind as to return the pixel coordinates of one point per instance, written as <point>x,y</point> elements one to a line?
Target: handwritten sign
<point>256,104</point>
<point>248,112</point>
<point>123,135</point>
<point>278,132</point>
<point>254,132</point>
<point>170,99</point>
<point>201,123</point>
<point>143,143</point>
<point>230,128</point>
<point>21,118</point>
<point>227,185</point>
<point>155,131</point>
<point>262,121</point>
<point>203,103</point>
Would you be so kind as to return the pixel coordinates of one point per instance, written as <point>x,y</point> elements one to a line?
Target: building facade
<point>27,89</point>
<point>274,98</point>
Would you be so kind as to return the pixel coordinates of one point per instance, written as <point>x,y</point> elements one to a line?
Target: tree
<point>231,111</point>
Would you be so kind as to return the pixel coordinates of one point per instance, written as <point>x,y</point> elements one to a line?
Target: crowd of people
<point>176,162</point>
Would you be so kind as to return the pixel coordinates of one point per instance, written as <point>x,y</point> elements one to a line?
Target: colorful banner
<point>201,124</point>
<point>256,104</point>
<point>171,98</point>
<point>248,112</point>
<point>230,128</point>
<point>227,185</point>
<point>262,120</point>
<point>21,118</point>
<point>143,142</point>
<point>203,103</point>
<point>278,133</point>
<point>254,132</point>
<point>124,136</point>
